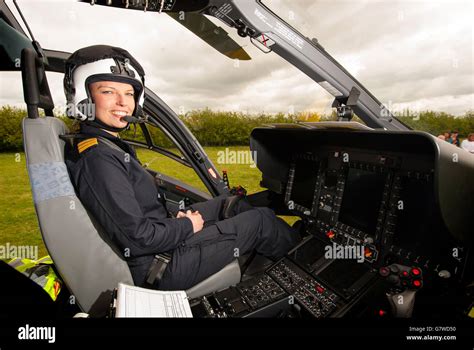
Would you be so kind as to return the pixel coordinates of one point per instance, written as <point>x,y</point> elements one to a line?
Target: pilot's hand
<point>196,219</point>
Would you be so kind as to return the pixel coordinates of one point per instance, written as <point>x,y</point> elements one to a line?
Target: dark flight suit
<point>124,199</point>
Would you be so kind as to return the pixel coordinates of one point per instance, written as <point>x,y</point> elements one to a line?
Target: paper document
<point>141,302</point>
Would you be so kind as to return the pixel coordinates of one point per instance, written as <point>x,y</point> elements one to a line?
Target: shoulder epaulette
<point>86,144</point>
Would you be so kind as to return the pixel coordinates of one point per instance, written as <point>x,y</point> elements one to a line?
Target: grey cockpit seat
<point>86,261</point>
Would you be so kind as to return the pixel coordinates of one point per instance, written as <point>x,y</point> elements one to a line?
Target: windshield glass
<point>407,53</point>
<point>182,69</point>
<point>404,52</point>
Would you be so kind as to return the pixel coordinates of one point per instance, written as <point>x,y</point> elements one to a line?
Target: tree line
<point>220,128</point>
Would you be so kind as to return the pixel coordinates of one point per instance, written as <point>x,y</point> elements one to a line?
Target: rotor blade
<point>153,5</point>
<point>215,36</point>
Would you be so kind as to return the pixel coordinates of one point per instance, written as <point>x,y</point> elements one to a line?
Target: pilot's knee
<point>265,212</point>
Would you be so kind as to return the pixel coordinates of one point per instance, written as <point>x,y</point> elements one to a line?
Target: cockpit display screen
<point>304,182</point>
<point>362,199</point>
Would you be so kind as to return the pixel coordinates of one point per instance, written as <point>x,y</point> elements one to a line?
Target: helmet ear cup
<point>79,111</point>
<point>85,110</point>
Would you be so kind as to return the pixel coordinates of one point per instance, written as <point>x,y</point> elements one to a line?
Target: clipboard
<point>132,301</point>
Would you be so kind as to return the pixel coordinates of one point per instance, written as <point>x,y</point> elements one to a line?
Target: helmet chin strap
<point>99,124</point>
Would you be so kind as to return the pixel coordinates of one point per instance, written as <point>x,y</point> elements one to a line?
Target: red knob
<point>417,283</point>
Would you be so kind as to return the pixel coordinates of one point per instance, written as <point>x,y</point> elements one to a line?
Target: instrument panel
<point>383,221</point>
<point>371,202</point>
<point>356,197</point>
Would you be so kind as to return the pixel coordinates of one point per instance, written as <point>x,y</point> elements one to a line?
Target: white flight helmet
<point>100,63</point>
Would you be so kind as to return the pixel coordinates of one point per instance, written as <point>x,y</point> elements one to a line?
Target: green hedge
<point>437,123</point>
<point>227,128</point>
<point>11,136</point>
<point>214,128</point>
<point>10,129</point>
<point>209,127</point>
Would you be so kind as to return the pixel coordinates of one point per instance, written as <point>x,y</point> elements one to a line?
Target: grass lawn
<point>19,226</point>
<point>18,223</point>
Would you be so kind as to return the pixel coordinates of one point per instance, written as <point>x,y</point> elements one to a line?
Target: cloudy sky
<point>416,54</point>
